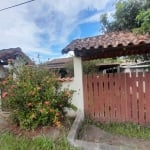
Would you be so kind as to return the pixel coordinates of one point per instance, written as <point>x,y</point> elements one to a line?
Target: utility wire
<point>16,5</point>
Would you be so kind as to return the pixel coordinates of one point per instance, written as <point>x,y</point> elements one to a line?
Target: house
<point>135,67</point>
<point>108,68</point>
<point>12,55</point>
<point>60,65</point>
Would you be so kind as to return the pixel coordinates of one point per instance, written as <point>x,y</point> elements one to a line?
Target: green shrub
<point>35,98</point>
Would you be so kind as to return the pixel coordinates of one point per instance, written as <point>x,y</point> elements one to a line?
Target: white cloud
<point>38,26</point>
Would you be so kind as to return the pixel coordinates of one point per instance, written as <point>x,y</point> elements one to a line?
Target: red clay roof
<point>114,39</point>
<point>59,63</point>
<point>12,53</point>
<point>60,60</point>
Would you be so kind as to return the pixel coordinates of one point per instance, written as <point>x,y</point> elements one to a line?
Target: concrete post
<point>78,80</point>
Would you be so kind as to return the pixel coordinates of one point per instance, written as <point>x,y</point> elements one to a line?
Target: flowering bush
<point>35,98</point>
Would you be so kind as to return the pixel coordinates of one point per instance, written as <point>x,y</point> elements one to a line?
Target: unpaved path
<point>94,134</point>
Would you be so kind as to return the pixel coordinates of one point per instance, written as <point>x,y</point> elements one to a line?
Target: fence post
<point>78,78</point>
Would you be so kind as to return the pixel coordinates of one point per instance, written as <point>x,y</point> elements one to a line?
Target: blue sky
<point>45,27</point>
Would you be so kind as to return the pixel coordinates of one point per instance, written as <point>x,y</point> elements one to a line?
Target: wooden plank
<point>141,98</point>
<point>111,97</point>
<point>88,95</point>
<point>147,97</point>
<point>105,117</point>
<point>123,97</point>
<point>129,91</point>
<point>134,98</point>
<point>101,95</point>
<point>116,96</point>
<point>107,98</point>
<point>96,96</point>
<point>85,89</point>
<point>91,104</point>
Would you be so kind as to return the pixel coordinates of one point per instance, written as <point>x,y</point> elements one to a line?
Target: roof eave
<point>113,52</point>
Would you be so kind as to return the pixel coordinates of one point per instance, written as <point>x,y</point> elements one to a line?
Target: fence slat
<point>147,97</point>
<point>129,91</point>
<point>101,95</point>
<point>122,99</point>
<point>91,106</point>
<point>85,89</point>
<point>96,97</point>
<point>141,99</point>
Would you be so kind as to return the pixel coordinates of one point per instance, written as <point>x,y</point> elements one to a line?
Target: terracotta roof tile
<point>12,53</point>
<point>59,63</point>
<point>60,60</point>
<point>114,39</point>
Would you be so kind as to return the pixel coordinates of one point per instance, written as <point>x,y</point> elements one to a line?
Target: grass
<point>125,129</point>
<point>10,142</point>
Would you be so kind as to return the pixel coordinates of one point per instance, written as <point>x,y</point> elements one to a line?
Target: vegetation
<point>144,18</point>
<point>34,97</point>
<point>125,129</point>
<point>122,18</point>
<point>132,15</point>
<point>8,141</point>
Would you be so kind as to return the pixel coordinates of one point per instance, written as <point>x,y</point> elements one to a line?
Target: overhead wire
<point>16,5</point>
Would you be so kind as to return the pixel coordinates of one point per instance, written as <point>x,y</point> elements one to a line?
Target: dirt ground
<point>48,131</point>
<point>94,134</point>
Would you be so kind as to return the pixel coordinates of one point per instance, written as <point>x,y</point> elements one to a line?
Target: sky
<point>44,27</point>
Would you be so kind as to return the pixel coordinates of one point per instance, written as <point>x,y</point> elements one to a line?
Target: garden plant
<point>34,97</point>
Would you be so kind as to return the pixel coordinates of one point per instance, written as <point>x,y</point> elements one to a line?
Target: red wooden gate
<point>118,97</point>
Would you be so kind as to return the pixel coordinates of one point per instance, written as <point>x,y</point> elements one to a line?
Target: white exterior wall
<point>2,72</point>
<point>76,84</point>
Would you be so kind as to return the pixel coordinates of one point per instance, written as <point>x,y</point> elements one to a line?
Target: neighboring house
<point>124,67</point>
<point>108,68</point>
<point>12,55</point>
<point>59,65</point>
<point>136,67</point>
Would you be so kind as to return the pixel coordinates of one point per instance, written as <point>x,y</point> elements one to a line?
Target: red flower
<point>46,102</point>
<point>30,104</point>
<point>4,94</point>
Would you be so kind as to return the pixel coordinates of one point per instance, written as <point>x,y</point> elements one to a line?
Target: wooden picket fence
<point>123,97</point>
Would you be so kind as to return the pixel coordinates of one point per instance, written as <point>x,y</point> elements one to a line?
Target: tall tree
<point>144,19</point>
<point>125,16</point>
